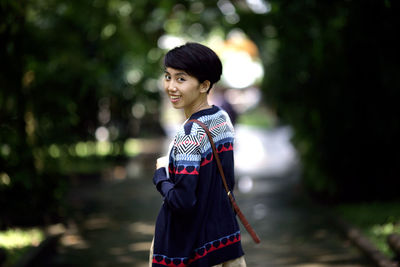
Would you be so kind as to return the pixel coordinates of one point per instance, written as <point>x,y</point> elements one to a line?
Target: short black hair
<point>196,60</point>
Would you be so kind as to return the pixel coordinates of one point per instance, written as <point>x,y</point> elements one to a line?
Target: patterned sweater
<point>196,225</point>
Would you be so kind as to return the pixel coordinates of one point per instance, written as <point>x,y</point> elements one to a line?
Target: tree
<point>333,79</point>
<point>68,68</point>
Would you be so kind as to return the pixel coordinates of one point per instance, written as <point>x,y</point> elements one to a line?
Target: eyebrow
<point>178,73</point>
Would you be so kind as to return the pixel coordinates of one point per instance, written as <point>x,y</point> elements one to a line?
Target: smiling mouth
<point>174,99</point>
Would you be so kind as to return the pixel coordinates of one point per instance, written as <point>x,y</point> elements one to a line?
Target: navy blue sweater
<point>196,225</point>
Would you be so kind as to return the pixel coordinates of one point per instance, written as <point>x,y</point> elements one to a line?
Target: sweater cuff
<point>161,181</point>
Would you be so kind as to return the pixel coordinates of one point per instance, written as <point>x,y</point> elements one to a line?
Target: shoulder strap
<point>239,213</point>
<point>217,160</point>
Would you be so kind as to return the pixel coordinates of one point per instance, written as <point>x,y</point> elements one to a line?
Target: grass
<point>375,220</point>
<point>17,242</point>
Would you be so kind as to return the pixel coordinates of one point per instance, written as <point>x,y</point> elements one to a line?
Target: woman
<point>196,225</point>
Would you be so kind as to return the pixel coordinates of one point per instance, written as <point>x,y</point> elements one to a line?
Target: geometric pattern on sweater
<point>192,150</point>
<point>189,170</point>
<point>228,146</point>
<point>223,138</point>
<point>187,167</point>
<point>186,159</point>
<point>212,120</point>
<point>189,159</point>
<point>199,252</point>
<point>186,146</point>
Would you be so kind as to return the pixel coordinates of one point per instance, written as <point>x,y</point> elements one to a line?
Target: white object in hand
<point>162,162</point>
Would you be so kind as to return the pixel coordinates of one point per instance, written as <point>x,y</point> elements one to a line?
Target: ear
<point>204,86</point>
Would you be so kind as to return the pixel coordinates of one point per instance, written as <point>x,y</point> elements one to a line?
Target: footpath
<point>112,220</point>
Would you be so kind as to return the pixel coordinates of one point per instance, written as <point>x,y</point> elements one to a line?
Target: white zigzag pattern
<point>219,115</point>
<point>194,158</point>
<point>187,144</point>
<point>186,147</point>
<point>206,147</point>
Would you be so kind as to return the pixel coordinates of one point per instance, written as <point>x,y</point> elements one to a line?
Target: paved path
<point>294,232</point>
<point>113,220</point>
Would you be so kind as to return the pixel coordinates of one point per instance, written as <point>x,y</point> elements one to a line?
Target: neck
<point>201,106</point>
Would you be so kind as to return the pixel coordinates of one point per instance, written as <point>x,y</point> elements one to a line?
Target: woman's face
<point>184,91</point>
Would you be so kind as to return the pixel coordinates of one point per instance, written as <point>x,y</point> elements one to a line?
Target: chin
<point>177,107</point>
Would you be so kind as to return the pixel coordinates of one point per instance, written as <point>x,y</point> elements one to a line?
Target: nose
<point>170,87</point>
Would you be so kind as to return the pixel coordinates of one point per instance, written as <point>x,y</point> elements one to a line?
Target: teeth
<point>174,97</point>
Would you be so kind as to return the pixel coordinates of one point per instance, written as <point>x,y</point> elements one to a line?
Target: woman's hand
<point>162,162</point>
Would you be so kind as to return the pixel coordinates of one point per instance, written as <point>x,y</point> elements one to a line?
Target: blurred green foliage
<point>69,68</point>
<point>334,78</point>
<point>63,63</point>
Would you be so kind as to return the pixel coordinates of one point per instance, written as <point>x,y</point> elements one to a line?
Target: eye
<point>167,77</point>
<point>181,79</point>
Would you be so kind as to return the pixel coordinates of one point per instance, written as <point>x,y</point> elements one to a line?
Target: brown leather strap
<point>239,213</point>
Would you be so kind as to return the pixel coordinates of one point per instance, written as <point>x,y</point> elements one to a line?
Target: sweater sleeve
<point>161,181</point>
<point>180,194</point>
